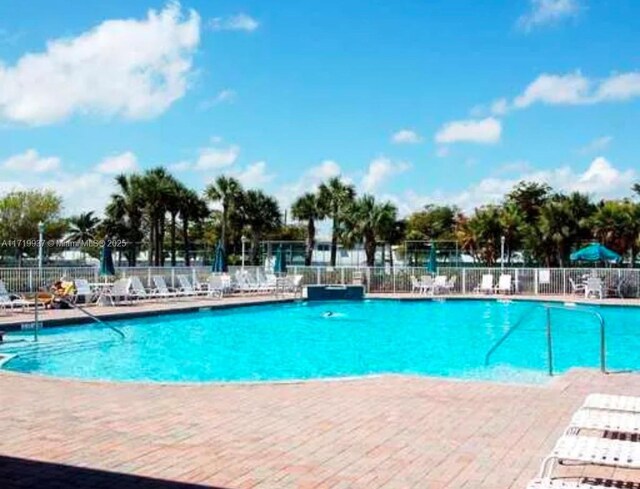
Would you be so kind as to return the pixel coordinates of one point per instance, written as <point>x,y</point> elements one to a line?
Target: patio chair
<point>83,290</point>
<point>598,420</point>
<point>215,286</point>
<point>243,284</point>
<point>588,450</point>
<point>486,284</point>
<point>439,284</point>
<point>7,301</point>
<point>451,284</point>
<point>576,289</point>
<point>609,402</point>
<point>582,483</point>
<point>504,284</point>
<point>161,289</point>
<point>119,293</point>
<point>186,287</point>
<point>416,285</point>
<point>138,290</point>
<point>594,286</point>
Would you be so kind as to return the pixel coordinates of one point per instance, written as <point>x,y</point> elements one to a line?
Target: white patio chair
<point>590,450</point>
<point>598,420</point>
<point>486,284</point>
<point>138,290</point>
<point>576,289</point>
<point>161,290</point>
<point>451,284</point>
<point>187,289</point>
<point>594,286</point>
<point>582,483</point>
<point>504,284</point>
<point>439,284</point>
<point>215,286</point>
<point>119,293</point>
<point>6,301</point>
<point>609,402</point>
<point>83,289</point>
<point>416,285</point>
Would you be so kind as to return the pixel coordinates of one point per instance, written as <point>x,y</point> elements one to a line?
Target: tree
<point>335,197</point>
<point>83,227</point>
<point>435,222</point>
<point>261,214</point>
<point>366,221</point>
<point>228,191</point>
<point>308,208</point>
<point>483,231</point>
<point>616,224</point>
<point>192,209</point>
<point>20,213</point>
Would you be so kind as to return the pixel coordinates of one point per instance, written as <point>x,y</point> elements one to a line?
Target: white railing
<point>530,281</point>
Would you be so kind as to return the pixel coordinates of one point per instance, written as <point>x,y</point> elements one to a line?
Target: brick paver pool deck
<point>378,432</point>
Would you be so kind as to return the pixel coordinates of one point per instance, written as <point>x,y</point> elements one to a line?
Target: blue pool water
<point>299,341</point>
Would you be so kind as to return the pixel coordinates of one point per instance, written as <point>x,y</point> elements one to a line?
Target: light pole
<point>502,241</point>
<point>40,245</point>
<point>244,241</point>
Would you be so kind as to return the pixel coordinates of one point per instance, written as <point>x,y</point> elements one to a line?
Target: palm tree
<point>227,191</point>
<point>616,224</point>
<point>308,208</point>
<point>335,197</point>
<point>261,214</point>
<point>124,214</point>
<point>83,228</point>
<point>156,187</point>
<point>367,221</point>
<point>192,209</point>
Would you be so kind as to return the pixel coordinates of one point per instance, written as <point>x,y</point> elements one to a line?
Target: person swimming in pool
<point>328,314</point>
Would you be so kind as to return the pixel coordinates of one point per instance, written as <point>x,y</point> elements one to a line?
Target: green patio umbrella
<point>106,262</point>
<point>219,260</point>
<point>280,265</point>
<point>595,252</point>
<point>432,263</point>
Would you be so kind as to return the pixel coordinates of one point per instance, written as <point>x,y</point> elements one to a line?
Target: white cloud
<point>514,166</point>
<point>31,161</point>
<point>380,170</point>
<point>214,158</point>
<point>484,131</point>
<point>122,163</point>
<point>179,166</point>
<point>576,89</point>
<point>227,96</point>
<point>131,68</point>
<point>500,106</point>
<point>406,136</point>
<point>309,181</point>
<point>238,22</point>
<point>254,175</point>
<point>545,12</point>
<point>598,144</point>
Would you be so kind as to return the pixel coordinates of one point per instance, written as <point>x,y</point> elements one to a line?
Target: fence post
<point>173,278</point>
<point>342,275</point>
<point>30,280</point>
<point>393,271</point>
<point>564,281</point>
<point>535,281</point>
<point>148,276</point>
<point>464,280</point>
<point>318,275</point>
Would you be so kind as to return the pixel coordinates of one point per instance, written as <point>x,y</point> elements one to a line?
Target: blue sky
<point>415,101</point>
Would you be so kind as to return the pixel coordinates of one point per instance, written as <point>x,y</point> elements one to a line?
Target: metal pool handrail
<point>548,308</point>
<point>504,337</point>
<point>96,319</point>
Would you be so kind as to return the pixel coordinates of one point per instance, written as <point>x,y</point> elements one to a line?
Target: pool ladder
<point>548,308</point>
<point>95,318</point>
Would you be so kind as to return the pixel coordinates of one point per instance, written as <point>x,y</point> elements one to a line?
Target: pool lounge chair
<point>243,284</point>
<point>505,285</point>
<point>582,483</point>
<point>119,293</point>
<point>598,420</point>
<point>609,402</point>
<point>215,286</point>
<point>138,291</point>
<point>161,290</point>
<point>588,450</point>
<point>6,301</point>
<point>486,285</point>
<point>187,288</point>
<point>83,289</point>
<point>594,286</point>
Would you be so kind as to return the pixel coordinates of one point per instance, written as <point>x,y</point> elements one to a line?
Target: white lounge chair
<point>215,286</point>
<point>576,289</point>
<point>486,284</point>
<point>594,286</point>
<point>439,284</point>
<point>590,450</point>
<point>609,402</point>
<point>504,284</point>
<point>119,292</point>
<point>598,420</point>
<point>416,285</point>
<point>160,288</point>
<point>187,288</point>
<point>6,301</point>
<point>582,483</point>
<point>83,289</point>
<point>138,290</point>
<point>243,284</point>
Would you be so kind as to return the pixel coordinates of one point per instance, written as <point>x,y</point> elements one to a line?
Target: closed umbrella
<point>219,260</point>
<point>432,263</point>
<point>595,252</point>
<point>280,265</point>
<point>106,262</point>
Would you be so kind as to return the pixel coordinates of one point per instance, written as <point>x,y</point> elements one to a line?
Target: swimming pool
<point>301,341</point>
